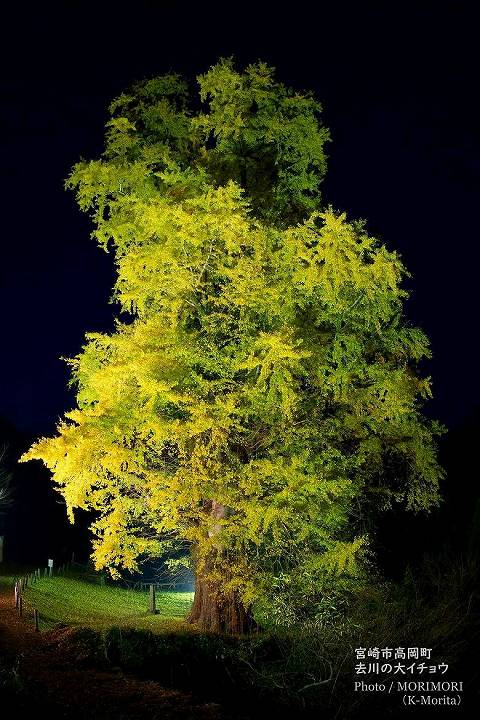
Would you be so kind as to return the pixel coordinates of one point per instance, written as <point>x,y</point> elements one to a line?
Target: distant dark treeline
<point>36,526</point>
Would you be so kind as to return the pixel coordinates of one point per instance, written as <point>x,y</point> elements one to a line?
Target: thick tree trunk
<point>213,610</point>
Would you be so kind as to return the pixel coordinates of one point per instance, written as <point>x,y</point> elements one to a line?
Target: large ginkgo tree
<point>260,394</point>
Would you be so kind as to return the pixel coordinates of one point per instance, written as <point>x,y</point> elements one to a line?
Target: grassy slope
<point>71,601</point>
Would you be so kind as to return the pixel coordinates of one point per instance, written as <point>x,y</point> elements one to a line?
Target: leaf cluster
<point>266,367</point>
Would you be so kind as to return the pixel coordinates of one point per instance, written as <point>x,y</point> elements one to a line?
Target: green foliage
<point>267,138</point>
<point>264,394</point>
<point>308,666</point>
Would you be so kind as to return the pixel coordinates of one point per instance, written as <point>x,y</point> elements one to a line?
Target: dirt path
<point>38,672</point>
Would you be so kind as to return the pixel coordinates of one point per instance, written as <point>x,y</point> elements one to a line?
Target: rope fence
<point>74,569</point>
<point>20,584</point>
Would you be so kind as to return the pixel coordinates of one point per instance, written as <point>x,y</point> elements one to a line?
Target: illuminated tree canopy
<point>261,392</point>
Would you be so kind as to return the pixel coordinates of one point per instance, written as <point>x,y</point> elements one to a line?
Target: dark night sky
<point>399,89</point>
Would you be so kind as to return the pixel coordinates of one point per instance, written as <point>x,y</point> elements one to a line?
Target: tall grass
<point>307,667</point>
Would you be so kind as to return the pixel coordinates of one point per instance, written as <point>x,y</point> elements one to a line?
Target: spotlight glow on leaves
<point>265,367</point>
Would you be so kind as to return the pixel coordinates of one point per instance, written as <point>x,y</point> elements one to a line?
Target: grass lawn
<point>75,602</point>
